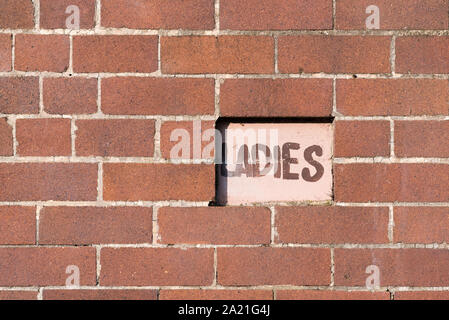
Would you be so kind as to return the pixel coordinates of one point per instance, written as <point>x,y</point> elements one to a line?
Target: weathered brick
<point>134,182</point>
<point>6,139</point>
<point>391,182</point>
<point>161,96</point>
<point>16,14</point>
<point>175,130</point>
<point>118,138</point>
<point>214,225</point>
<point>205,294</point>
<point>274,15</point>
<point>88,225</point>
<point>70,95</point>
<point>18,295</point>
<point>53,13</point>
<point>398,267</point>
<point>43,137</point>
<point>48,181</point>
<point>334,54</point>
<point>330,295</point>
<point>421,224</point>
<point>125,53</point>
<point>99,294</point>
<point>40,266</point>
<point>5,52</point>
<point>276,98</point>
<point>19,95</point>
<point>422,54</point>
<point>156,267</point>
<point>362,138</point>
<point>36,52</point>
<point>158,14</point>
<point>392,97</point>
<point>421,295</point>
<point>223,54</point>
<point>394,15</point>
<point>273,266</point>
<point>17,225</point>
<point>318,224</point>
<point>421,139</point>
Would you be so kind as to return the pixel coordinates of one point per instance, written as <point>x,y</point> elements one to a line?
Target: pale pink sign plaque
<point>275,162</point>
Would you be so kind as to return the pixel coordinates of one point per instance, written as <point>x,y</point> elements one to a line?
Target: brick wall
<point>86,178</point>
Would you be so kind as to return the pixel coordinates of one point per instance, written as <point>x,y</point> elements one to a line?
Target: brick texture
<point>16,14</point>
<point>330,295</point>
<point>99,294</point>
<point>6,138</point>
<point>216,295</point>
<point>19,95</point>
<point>5,52</point>
<point>53,14</point>
<point>17,225</point>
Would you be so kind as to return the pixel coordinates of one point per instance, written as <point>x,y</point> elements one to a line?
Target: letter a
<point>373,21</point>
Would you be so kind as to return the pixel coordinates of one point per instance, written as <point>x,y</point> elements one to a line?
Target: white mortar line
<point>332,273</point>
<point>100,182</point>
<point>391,224</point>
<point>37,13</point>
<point>156,235</point>
<point>97,16</point>
<point>393,55</point>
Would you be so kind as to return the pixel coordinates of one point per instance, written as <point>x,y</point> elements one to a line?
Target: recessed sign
<point>275,162</point>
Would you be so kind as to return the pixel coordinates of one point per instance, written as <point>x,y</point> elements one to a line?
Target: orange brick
<point>362,138</point>
<point>156,267</point>
<point>99,294</point>
<point>53,13</point>
<point>391,182</point>
<point>398,267</point>
<point>16,14</point>
<point>134,182</point>
<point>334,54</point>
<point>87,225</point>
<point>421,139</point>
<point>330,295</point>
<point>223,54</point>
<point>161,96</point>
<point>125,53</point>
<point>18,295</point>
<point>158,14</point>
<point>276,98</point>
<point>272,15</point>
<point>320,225</point>
<point>422,54</point>
<point>118,138</point>
<point>19,95</point>
<point>5,52</point>
<point>43,137</point>
<point>214,225</point>
<point>273,266</point>
<point>35,52</point>
<point>6,140</point>
<point>17,225</point>
<point>70,95</point>
<point>392,97</point>
<point>216,294</point>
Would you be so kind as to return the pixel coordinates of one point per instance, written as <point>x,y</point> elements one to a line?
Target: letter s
<point>318,167</point>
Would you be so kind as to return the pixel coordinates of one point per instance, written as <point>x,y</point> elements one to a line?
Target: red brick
<point>276,98</point>
<point>35,52</point>
<point>48,181</point>
<point>87,225</point>
<point>158,14</point>
<point>391,182</point>
<point>99,294</point>
<point>161,96</point>
<point>214,225</point>
<point>223,54</point>
<point>156,267</point>
<point>216,294</point>
<point>422,54</point>
<point>5,52</point>
<point>17,225</point>
<point>398,267</point>
<point>274,266</point>
<point>125,53</point>
<point>119,138</point>
<point>392,97</point>
<point>421,295</point>
<point>16,14</point>
<point>6,143</point>
<point>19,95</point>
<point>53,13</point>
<point>362,138</point>
<point>169,127</point>
<point>134,182</point>
<point>421,138</point>
<point>70,95</point>
<point>273,15</point>
<point>330,295</point>
<point>334,54</point>
<point>43,137</point>
<point>394,15</point>
<point>40,266</point>
<point>317,224</point>
<point>421,225</point>
<point>18,295</point>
